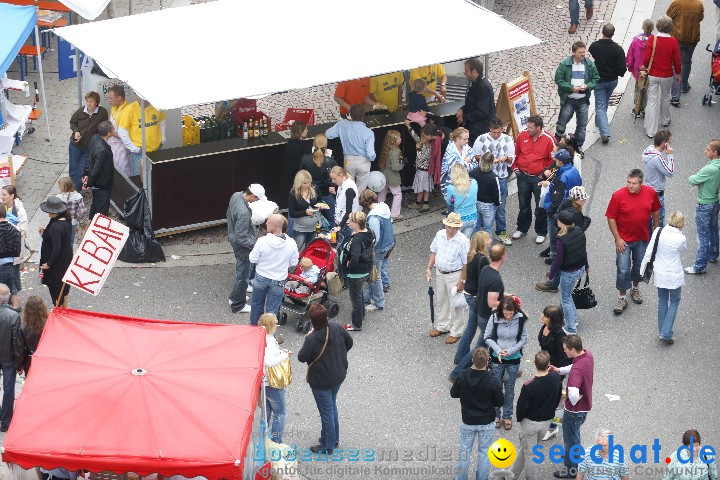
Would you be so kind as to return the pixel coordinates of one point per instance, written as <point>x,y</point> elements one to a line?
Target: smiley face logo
<point>502,453</point>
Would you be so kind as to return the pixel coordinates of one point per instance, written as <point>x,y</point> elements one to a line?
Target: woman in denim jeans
<point>571,261</point>
<point>668,273</point>
<point>460,196</point>
<point>274,397</point>
<point>477,259</point>
<point>506,334</point>
<point>488,195</point>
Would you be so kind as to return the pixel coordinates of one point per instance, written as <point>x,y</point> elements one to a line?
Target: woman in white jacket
<point>667,272</point>
<point>274,397</point>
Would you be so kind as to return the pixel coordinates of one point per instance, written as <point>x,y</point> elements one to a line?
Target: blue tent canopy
<point>16,24</point>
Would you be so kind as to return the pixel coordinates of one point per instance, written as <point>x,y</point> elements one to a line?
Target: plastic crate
<point>255,117</point>
<point>293,115</point>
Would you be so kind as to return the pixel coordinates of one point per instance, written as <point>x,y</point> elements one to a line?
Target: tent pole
<point>161,4</point>
<point>487,65</point>
<point>42,83</point>
<point>143,161</point>
<point>130,7</point>
<point>79,80</point>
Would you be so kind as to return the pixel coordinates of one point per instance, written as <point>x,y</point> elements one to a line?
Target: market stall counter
<point>191,186</point>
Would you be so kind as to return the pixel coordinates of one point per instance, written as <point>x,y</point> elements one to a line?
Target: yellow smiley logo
<point>502,453</point>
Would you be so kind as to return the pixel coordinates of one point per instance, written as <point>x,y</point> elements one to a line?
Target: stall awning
<point>133,395</point>
<point>16,24</point>
<point>230,49</point>
<point>88,9</point>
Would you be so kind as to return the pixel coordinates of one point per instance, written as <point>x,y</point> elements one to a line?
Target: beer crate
<point>293,115</point>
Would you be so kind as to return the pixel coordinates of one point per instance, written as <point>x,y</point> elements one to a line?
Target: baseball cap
<point>578,193</point>
<point>257,190</point>
<point>562,155</point>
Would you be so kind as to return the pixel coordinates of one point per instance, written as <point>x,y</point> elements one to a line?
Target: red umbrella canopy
<point>134,395</point>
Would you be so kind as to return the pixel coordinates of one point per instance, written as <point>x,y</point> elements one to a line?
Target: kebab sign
<point>96,255</point>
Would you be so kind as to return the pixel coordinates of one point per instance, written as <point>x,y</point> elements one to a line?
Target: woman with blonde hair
<point>390,164</point>
<point>458,152</point>
<point>346,199</point>
<point>303,209</point>
<point>461,197</point>
<point>668,274</point>
<point>319,163</point>
<point>274,397</point>
<point>477,259</point>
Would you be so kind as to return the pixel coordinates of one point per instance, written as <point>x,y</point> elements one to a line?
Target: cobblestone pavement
<point>545,19</point>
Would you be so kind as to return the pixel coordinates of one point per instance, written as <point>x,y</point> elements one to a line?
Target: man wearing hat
<point>566,176</point>
<point>242,236</point>
<point>449,250</point>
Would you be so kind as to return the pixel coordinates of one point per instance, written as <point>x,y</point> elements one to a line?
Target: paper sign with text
<point>96,255</point>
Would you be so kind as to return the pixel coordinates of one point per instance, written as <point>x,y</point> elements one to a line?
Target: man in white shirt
<point>273,256</point>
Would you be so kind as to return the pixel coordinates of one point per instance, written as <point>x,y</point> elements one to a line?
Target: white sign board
<point>96,255</point>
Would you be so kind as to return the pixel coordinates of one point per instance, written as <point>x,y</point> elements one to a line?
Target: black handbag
<point>584,298</point>
<point>647,274</point>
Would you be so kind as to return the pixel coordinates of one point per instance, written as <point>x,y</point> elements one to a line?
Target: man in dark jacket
<point>10,245</point>
<point>610,62</point>
<point>10,351</point>
<point>479,106</point>
<point>479,393</point>
<point>99,170</point>
<point>242,236</point>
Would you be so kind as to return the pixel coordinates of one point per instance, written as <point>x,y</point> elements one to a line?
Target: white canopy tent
<point>229,49</point>
<point>88,9</point>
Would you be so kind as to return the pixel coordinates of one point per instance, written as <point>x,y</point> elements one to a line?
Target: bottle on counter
<point>256,132</point>
<point>245,130</point>
<point>251,130</point>
<point>264,127</point>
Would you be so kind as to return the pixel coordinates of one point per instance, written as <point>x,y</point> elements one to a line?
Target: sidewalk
<point>48,160</point>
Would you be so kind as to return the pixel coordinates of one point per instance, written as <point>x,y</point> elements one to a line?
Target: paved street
<point>396,397</point>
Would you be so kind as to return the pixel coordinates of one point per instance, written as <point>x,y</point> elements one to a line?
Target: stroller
<point>714,75</point>
<point>322,254</point>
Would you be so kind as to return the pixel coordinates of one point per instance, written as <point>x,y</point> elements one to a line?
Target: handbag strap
<point>657,240</point>
<point>587,280</point>
<point>327,337</point>
<point>652,55</point>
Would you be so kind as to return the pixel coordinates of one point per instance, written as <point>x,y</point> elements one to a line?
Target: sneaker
<point>712,261</point>
<point>675,103</point>
<point>546,287</point>
<point>249,289</point>
<point>685,89</point>
<point>635,295</point>
<point>550,434</point>
<point>545,253</point>
<point>621,306</point>
<point>692,271</point>
<point>605,139</point>
<point>503,238</point>
<point>373,308</point>
<point>539,239</point>
<point>414,205</point>
<point>245,309</point>
<point>425,208</point>
<point>667,341</point>
<point>549,261</point>
<point>386,288</point>
<point>517,234</point>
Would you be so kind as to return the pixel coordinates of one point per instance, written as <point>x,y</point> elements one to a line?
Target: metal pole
<point>143,151</point>
<point>42,83</point>
<point>79,80</point>
<point>487,66</point>
<point>161,4</point>
<point>130,7</point>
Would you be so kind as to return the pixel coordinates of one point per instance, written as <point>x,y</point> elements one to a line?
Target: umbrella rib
<point>192,388</point>
<point>210,346</point>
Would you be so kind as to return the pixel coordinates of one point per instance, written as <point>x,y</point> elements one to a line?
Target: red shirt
<point>353,91</point>
<point>632,212</point>
<point>667,56</point>
<point>581,377</point>
<point>533,156</point>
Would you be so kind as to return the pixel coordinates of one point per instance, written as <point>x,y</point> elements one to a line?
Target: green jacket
<point>563,76</point>
<point>708,182</point>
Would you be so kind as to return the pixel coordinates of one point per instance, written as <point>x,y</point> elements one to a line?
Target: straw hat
<point>453,220</point>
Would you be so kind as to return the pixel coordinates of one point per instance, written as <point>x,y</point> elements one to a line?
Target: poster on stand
<point>516,102</point>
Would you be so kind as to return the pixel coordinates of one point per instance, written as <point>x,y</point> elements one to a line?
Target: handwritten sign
<point>96,255</point>
<point>7,173</point>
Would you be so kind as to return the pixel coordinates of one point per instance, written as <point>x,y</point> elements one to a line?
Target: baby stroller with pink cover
<point>321,253</point>
<point>714,75</point>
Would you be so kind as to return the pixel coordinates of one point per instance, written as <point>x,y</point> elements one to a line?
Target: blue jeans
<point>567,282</point>
<point>266,298</point>
<point>100,202</point>
<point>579,107</point>
<point>575,10</point>
<point>468,228</point>
<point>686,53</point>
<point>498,371</point>
<point>76,169</point>
<point>661,213</point>
<point>302,238</point>
<point>602,99</point>
<point>326,401</point>
<point>668,303</point>
<point>275,406</point>
<point>706,220</point>
<point>628,265</point>
<point>467,439</point>
<point>466,360</point>
<point>8,402</point>
<point>528,188</point>
<point>374,291</point>
<point>571,423</point>
<point>500,225</point>
<point>329,214</point>
<point>486,215</point>
<point>470,329</point>
<point>135,163</point>
<point>242,275</point>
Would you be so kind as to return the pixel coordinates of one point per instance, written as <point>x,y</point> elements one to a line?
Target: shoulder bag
<point>280,375</point>
<point>649,266</point>
<point>327,337</point>
<point>583,297</point>
<point>643,73</point>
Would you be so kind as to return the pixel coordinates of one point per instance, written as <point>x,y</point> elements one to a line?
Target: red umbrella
<point>134,395</point>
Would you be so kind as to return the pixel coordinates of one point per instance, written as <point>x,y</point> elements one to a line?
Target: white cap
<point>257,190</point>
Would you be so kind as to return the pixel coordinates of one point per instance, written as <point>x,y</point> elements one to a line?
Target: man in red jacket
<point>533,154</point>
